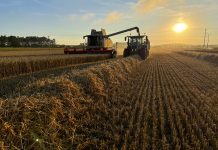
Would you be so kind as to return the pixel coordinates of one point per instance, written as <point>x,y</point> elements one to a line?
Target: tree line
<point>30,41</point>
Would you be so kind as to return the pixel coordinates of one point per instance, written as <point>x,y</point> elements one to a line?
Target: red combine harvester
<point>98,43</point>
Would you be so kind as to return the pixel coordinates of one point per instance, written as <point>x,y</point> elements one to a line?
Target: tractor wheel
<point>148,53</point>
<point>143,53</point>
<point>114,54</point>
<point>126,52</point>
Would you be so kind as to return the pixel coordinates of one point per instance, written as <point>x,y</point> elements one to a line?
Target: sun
<point>180,27</point>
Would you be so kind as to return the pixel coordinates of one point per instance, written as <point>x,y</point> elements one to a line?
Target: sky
<point>68,20</point>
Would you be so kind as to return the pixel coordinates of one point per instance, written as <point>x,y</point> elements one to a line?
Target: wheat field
<point>168,101</point>
<point>12,52</point>
<point>12,66</point>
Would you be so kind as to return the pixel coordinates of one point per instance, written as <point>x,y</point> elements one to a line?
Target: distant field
<point>205,50</point>
<point>30,51</point>
<point>206,55</point>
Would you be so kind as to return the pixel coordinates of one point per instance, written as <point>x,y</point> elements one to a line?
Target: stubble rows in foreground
<point>164,102</point>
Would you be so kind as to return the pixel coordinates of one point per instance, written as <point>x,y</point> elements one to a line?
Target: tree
<point>13,41</point>
<point>30,41</point>
<point>3,41</point>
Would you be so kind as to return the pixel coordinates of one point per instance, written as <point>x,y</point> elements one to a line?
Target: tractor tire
<point>126,52</point>
<point>143,53</point>
<point>147,53</point>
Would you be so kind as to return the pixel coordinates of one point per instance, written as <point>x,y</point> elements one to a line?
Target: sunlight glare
<point>180,27</point>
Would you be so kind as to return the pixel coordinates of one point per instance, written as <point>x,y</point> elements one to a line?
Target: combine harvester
<point>100,43</point>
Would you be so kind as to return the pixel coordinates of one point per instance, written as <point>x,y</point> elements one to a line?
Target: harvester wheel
<point>126,52</point>
<point>114,54</point>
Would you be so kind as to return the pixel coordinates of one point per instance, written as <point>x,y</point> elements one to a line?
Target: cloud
<point>87,16</point>
<point>109,18</point>
<point>113,17</point>
<point>144,6</point>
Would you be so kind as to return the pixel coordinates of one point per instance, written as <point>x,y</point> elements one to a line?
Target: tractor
<point>137,45</point>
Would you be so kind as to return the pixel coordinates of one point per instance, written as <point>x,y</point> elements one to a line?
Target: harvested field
<point>203,55</point>
<point>169,101</point>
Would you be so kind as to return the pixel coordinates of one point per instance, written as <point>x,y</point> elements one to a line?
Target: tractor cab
<point>135,42</point>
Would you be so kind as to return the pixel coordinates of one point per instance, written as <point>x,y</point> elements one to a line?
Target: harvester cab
<point>97,41</point>
<point>137,45</point>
